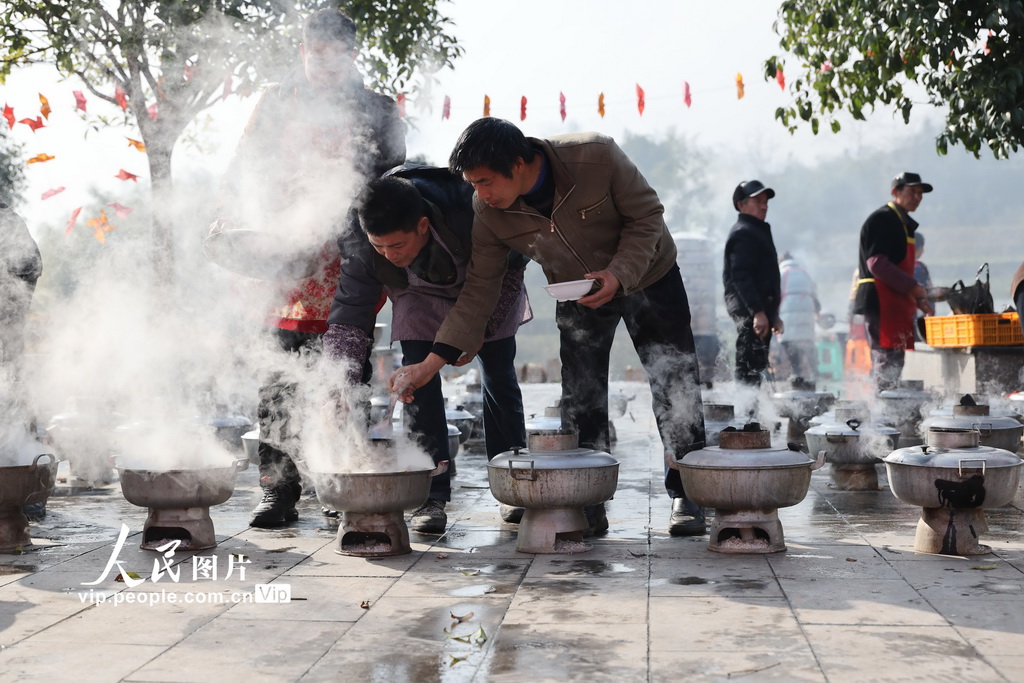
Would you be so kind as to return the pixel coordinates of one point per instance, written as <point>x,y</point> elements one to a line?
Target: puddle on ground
<point>999,587</point>
<point>591,567</point>
<point>473,591</point>
<point>689,581</point>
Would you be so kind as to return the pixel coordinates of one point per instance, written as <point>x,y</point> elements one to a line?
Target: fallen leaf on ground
<point>442,556</point>
<point>456,660</point>
<point>850,559</point>
<point>131,575</point>
<point>984,567</point>
<point>469,572</point>
<point>365,604</point>
<point>464,617</point>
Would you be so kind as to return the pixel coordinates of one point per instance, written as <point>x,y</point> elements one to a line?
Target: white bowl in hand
<point>569,291</point>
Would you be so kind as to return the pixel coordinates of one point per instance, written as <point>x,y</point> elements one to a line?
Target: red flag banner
<point>54,191</point>
<point>72,220</point>
<point>687,100</point>
<point>79,99</point>
<point>561,105</point>
<point>125,175</point>
<point>121,97</point>
<point>639,99</point>
<point>9,115</point>
<point>780,78</point>
<point>522,108</point>
<point>35,124</point>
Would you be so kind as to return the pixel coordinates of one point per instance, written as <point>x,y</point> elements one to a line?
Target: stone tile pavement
<point>848,601</point>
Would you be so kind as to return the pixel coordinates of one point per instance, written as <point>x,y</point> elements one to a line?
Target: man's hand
<point>779,328</point>
<point>609,285</point>
<point>761,326</point>
<point>920,295</point>
<point>409,378</point>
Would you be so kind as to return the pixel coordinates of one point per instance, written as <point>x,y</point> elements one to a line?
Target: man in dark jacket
<point>311,142</point>
<point>887,294</point>
<point>414,244</point>
<point>752,282</point>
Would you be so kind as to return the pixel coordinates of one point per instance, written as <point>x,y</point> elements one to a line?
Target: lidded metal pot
<point>551,419</point>
<point>996,431</point>
<point>553,479</point>
<point>953,478</point>
<point>746,480</point>
<point>852,446</point>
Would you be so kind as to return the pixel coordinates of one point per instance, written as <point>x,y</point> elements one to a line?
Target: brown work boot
<point>430,518</point>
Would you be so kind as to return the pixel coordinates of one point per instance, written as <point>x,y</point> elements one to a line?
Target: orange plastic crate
<point>992,329</point>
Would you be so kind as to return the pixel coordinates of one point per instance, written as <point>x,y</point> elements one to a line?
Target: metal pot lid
<point>852,428</point>
<point>458,414</point>
<point>226,421</point>
<point>572,459</point>
<point>982,423</point>
<point>453,430</point>
<point>747,448</point>
<point>906,394</point>
<point>929,456</point>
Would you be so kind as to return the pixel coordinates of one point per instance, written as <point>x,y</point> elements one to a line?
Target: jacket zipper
<point>583,212</point>
<point>553,231</point>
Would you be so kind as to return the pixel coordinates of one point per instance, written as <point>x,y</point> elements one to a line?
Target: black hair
<point>388,205</point>
<point>330,25</point>
<point>492,143</point>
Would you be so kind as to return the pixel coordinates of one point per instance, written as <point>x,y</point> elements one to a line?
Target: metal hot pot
<point>952,478</point>
<point>993,430</point>
<point>22,485</point>
<point>852,446</point>
<point>746,480</point>
<point>553,479</point>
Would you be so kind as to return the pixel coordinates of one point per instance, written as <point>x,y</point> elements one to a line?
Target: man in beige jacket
<point>579,207</point>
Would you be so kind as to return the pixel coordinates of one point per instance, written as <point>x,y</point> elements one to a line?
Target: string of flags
<point>101,224</point>
<point>641,103</point>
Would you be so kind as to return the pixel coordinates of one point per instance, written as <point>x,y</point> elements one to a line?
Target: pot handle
<point>983,428</point>
<point>820,462</point>
<point>834,437</point>
<point>241,464</point>
<point>35,460</point>
<point>441,468</point>
<point>531,473</point>
<point>672,462</point>
<point>853,423</point>
<point>960,465</point>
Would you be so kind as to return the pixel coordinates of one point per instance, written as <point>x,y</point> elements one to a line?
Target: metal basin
<point>28,484</point>
<point>185,488</point>
<point>375,492</point>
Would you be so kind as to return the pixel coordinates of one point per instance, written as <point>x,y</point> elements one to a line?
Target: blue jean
<point>504,424</point>
<point>658,321</point>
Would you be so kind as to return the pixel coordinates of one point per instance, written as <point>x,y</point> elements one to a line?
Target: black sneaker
<point>511,514</point>
<point>597,520</point>
<point>430,518</point>
<point>686,520</point>
<point>276,509</point>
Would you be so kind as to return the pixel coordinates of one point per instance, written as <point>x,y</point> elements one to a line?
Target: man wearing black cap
<point>887,293</point>
<point>752,282</point>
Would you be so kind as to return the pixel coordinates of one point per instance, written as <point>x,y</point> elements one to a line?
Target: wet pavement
<point>849,600</point>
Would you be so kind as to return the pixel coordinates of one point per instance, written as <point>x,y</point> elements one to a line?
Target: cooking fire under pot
<point>553,480</point>
<point>853,446</point>
<point>746,481</point>
<point>952,479</point>
<point>993,430</point>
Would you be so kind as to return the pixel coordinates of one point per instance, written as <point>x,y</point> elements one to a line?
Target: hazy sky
<point>536,48</point>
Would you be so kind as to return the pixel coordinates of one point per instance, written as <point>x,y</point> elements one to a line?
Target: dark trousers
<point>751,353</point>
<point>277,396</point>
<point>504,419</point>
<point>504,424</point>
<point>886,364</point>
<point>658,322</point>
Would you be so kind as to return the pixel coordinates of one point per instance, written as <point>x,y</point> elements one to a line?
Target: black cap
<point>748,189</point>
<point>910,179</point>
